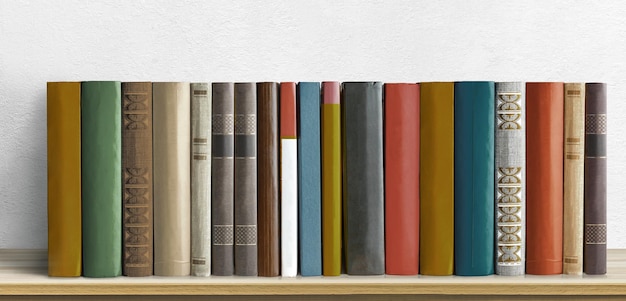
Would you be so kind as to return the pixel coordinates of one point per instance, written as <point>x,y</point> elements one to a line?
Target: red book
<point>402,123</point>
<point>544,177</point>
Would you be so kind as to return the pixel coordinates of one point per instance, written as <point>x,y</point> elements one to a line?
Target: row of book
<point>309,178</point>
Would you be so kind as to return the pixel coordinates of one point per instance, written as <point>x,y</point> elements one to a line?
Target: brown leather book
<point>137,178</point>
<point>544,151</point>
<point>267,179</point>
<point>594,259</point>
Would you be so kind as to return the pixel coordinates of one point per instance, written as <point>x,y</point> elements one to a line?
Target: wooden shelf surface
<point>23,276</point>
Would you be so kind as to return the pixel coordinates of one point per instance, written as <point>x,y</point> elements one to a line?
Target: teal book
<point>309,178</point>
<point>474,228</point>
<point>101,174</point>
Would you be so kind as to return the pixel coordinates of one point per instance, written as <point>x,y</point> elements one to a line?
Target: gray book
<point>200,179</point>
<point>510,153</point>
<point>245,180</point>
<point>222,179</point>
<point>363,200</point>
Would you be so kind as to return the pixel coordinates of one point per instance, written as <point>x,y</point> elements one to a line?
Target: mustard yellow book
<point>331,179</point>
<point>64,192</point>
<point>437,178</point>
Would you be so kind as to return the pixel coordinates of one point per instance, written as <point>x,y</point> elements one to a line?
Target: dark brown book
<point>594,253</point>
<point>268,194</point>
<point>245,189</point>
<point>222,182</point>
<point>137,178</point>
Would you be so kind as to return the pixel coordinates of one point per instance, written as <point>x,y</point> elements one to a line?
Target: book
<point>594,261</point>
<point>245,189</point>
<point>436,178</point>
<point>201,179</point>
<point>402,161</point>
<point>309,178</point>
<point>171,107</point>
<point>288,181</point>
<point>573,177</point>
<point>544,163</point>
<point>510,170</point>
<point>64,179</point>
<point>137,178</point>
<point>331,179</point>
<point>474,178</point>
<point>101,172</point>
<point>222,179</point>
<point>363,198</point>
<point>267,179</point>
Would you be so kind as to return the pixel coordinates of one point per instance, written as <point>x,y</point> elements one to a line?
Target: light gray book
<point>201,179</point>
<point>510,170</point>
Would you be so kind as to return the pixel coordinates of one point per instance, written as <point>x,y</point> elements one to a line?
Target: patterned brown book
<point>137,178</point>
<point>267,139</point>
<point>245,180</point>
<point>594,259</point>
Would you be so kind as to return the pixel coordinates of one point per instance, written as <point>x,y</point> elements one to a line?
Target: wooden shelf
<point>23,276</point>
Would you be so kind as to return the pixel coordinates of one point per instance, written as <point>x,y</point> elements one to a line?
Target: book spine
<point>101,117</point>
<point>331,179</point>
<point>402,121</point>
<point>268,181</point>
<point>201,179</point>
<point>137,178</point>
<point>544,163</point>
<point>288,181</point>
<point>64,180</point>
<point>363,178</point>
<point>510,170</point>
<point>222,179</point>
<point>573,178</point>
<point>309,179</point>
<point>595,179</point>
<point>437,178</point>
<point>245,192</point>
<point>171,109</point>
<point>474,178</point>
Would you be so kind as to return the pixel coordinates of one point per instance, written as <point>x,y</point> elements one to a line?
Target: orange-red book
<point>402,122</point>
<point>544,162</point>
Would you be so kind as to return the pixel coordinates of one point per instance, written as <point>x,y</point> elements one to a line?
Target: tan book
<point>573,178</point>
<point>172,178</point>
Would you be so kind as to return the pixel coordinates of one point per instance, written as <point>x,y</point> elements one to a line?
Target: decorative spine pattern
<point>137,178</point>
<point>510,168</point>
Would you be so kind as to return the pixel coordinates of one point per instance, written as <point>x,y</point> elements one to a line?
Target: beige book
<point>172,178</point>
<point>573,178</point>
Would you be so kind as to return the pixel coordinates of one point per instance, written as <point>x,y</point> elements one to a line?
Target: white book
<point>289,207</point>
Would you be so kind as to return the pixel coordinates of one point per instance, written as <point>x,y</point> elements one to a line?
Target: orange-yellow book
<point>331,179</point>
<point>436,178</point>
<point>64,194</point>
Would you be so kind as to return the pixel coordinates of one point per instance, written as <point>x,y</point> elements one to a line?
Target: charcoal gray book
<point>363,200</point>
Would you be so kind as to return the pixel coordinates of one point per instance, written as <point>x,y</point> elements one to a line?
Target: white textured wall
<point>228,40</point>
